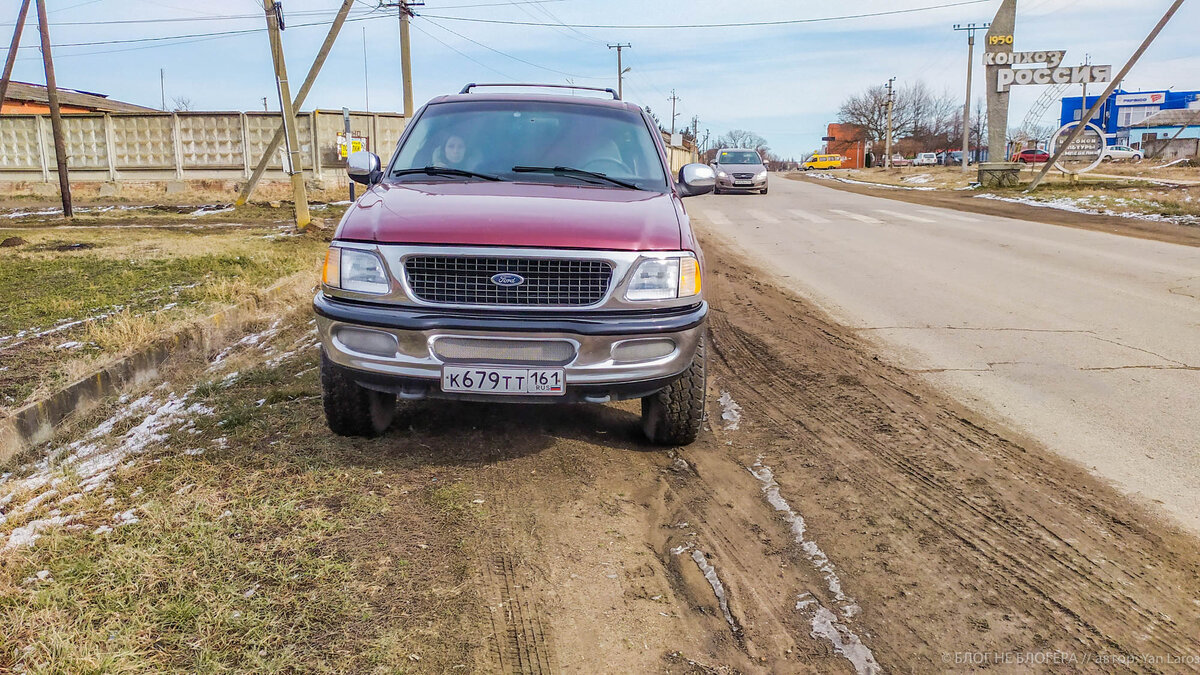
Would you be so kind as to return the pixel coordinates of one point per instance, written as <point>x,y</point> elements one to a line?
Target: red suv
<point>522,248</point>
<point>1032,156</point>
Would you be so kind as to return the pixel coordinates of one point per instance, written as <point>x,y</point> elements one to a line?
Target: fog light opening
<point>373,342</point>
<point>634,351</point>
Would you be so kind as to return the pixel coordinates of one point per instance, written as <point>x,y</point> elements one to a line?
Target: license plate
<point>512,381</point>
<point>743,182</point>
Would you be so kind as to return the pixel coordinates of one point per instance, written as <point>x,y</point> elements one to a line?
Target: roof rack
<point>467,89</point>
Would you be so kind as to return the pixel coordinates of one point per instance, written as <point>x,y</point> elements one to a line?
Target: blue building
<point>1123,109</point>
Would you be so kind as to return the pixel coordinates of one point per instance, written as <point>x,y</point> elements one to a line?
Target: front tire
<point>351,410</point>
<point>674,415</point>
<point>764,191</point>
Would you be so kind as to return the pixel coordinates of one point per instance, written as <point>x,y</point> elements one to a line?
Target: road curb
<point>37,421</point>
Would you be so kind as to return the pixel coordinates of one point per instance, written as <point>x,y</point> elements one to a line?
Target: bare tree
<point>927,121</point>
<point>181,103</point>
<point>740,138</point>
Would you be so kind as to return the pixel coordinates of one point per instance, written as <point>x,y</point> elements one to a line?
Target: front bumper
<point>730,183</point>
<point>592,373</point>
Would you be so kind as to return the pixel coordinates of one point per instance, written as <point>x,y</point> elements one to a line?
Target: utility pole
<point>162,88</point>
<point>620,73</point>
<point>366,79</point>
<point>888,143</point>
<point>60,143</point>
<point>674,99</point>
<point>287,115</point>
<point>404,8</point>
<point>265,104</point>
<point>12,51</point>
<point>970,28</point>
<point>278,138</point>
<point>1104,96</point>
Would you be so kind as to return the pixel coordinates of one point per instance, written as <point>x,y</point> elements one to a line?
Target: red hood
<point>515,214</point>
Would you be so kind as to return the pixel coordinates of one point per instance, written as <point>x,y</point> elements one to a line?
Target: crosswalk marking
<point>903,216</point>
<point>805,215</point>
<point>857,216</point>
<point>717,218</point>
<point>762,215</point>
<point>954,215</point>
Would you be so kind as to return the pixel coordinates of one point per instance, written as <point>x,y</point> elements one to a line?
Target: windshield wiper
<point>574,173</point>
<point>445,171</point>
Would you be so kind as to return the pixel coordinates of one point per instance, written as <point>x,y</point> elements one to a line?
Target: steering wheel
<point>607,166</point>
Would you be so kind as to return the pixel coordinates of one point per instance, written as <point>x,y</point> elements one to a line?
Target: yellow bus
<point>823,162</point>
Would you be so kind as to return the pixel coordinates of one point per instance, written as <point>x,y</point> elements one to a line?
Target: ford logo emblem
<point>508,279</point>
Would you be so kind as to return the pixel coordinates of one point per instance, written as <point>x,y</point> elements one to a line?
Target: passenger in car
<point>452,153</point>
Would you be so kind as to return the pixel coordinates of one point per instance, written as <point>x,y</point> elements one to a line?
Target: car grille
<point>467,280</point>
<point>743,176</point>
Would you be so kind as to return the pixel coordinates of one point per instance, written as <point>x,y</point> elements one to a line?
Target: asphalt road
<point>1085,341</point>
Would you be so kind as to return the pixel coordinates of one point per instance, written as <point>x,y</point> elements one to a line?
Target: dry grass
<point>281,548</point>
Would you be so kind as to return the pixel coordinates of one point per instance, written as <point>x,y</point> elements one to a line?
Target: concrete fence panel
<point>184,145</point>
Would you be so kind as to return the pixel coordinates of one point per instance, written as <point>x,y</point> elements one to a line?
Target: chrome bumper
<point>590,367</point>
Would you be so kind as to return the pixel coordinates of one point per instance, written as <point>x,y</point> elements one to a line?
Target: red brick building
<point>849,141</point>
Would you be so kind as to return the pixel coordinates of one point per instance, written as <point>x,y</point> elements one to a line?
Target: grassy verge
<point>70,297</point>
<point>261,542</point>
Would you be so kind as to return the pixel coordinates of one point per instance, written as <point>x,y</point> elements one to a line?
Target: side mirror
<point>696,179</point>
<point>363,167</point>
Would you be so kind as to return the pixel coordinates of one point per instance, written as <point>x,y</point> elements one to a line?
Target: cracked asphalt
<point>1086,341</point>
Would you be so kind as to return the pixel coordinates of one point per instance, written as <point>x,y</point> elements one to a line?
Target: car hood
<point>741,168</point>
<point>515,214</point>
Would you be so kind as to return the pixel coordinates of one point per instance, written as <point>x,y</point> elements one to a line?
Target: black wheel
<point>673,416</point>
<point>351,410</point>
<point>764,191</point>
<point>716,191</point>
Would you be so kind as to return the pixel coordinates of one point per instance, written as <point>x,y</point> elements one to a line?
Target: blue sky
<point>783,82</point>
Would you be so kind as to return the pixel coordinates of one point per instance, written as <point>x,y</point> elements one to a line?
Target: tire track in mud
<point>521,643</point>
<point>885,432</point>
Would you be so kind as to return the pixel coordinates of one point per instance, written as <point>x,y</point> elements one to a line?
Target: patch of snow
<point>731,412</point>
<point>70,345</point>
<point>851,181</point>
<point>103,529</point>
<point>845,643</point>
<point>1084,205</point>
<point>28,534</point>
<point>207,210</point>
<point>919,179</point>
<point>825,623</point>
<point>710,574</point>
<point>125,518</point>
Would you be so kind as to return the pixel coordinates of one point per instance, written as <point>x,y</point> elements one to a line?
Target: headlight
<point>352,270</point>
<point>665,279</point>
<point>722,174</point>
<point>761,175</point>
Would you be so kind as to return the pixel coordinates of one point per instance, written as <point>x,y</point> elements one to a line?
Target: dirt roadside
<point>838,515</point>
<point>966,201</point>
<point>853,520</point>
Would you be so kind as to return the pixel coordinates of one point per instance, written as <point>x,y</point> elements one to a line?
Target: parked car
<point>517,248</point>
<point>739,170</point>
<point>925,159</point>
<point>1032,156</point>
<point>954,158</point>
<point>901,160</point>
<point>1121,153</point>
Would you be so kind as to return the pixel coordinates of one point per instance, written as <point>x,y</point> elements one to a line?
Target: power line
<point>462,54</point>
<point>193,36</point>
<point>507,55</point>
<point>781,22</point>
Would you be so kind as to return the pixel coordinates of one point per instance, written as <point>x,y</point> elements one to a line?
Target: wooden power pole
<point>888,144</point>
<point>309,80</point>
<point>60,143</point>
<point>292,166</point>
<point>12,51</point>
<point>404,7</point>
<point>966,125</point>
<point>620,71</point>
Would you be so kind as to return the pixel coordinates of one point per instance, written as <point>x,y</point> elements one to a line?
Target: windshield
<point>495,137</point>
<point>739,157</point>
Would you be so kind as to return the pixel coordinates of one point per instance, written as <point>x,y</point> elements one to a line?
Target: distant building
<point>1123,110</point>
<point>23,98</point>
<point>1155,133</point>
<point>849,141</point>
